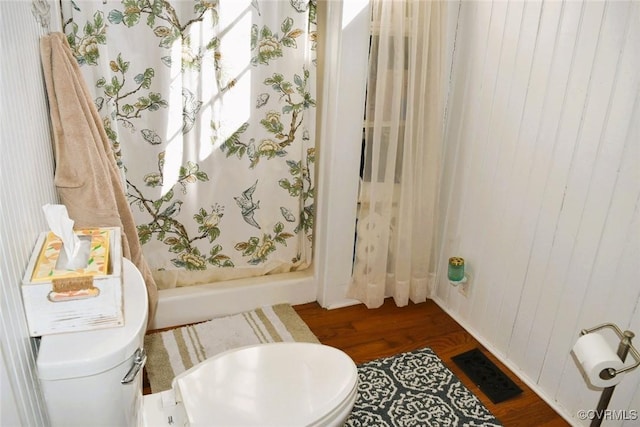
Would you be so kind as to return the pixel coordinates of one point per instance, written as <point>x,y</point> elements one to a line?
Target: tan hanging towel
<point>86,174</point>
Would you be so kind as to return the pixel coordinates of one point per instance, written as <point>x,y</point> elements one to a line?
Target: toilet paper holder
<point>624,348</point>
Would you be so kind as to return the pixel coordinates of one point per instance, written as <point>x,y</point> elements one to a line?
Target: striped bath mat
<point>172,352</point>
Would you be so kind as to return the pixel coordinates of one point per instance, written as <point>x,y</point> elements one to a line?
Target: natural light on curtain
<point>403,137</point>
<point>210,109</point>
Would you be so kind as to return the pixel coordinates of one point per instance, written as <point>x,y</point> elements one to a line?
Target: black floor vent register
<point>487,376</point>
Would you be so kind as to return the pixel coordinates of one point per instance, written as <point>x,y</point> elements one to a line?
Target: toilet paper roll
<point>594,355</point>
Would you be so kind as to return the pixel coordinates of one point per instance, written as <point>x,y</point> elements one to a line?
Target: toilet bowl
<point>95,378</point>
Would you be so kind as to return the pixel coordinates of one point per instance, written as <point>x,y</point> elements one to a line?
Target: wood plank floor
<point>370,334</point>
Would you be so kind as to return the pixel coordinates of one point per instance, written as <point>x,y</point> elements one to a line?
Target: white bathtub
<point>180,306</point>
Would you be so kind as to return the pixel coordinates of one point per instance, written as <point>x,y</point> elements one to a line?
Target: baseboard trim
<point>562,411</point>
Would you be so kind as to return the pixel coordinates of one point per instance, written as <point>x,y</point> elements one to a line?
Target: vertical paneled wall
<point>26,168</point>
<point>542,185</point>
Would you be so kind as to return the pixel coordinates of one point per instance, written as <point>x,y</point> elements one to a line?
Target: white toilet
<point>82,376</point>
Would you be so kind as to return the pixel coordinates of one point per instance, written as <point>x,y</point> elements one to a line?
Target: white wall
<point>542,185</point>
<point>344,61</point>
<point>26,168</point>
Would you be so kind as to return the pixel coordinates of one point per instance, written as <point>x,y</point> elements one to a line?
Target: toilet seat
<point>275,384</point>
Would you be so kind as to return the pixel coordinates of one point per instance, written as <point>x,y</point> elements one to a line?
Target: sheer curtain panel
<point>403,137</point>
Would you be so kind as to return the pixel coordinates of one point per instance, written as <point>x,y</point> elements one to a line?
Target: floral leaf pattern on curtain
<point>268,45</point>
<point>210,110</point>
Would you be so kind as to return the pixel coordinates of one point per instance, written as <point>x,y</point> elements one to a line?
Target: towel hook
<point>41,10</point>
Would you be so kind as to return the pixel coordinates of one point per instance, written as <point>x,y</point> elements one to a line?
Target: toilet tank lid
<point>81,354</point>
<point>267,384</point>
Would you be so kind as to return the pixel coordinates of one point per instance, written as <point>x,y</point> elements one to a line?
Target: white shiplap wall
<point>26,170</point>
<point>542,185</point>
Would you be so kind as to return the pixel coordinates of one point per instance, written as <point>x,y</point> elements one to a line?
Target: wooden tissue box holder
<point>70,300</point>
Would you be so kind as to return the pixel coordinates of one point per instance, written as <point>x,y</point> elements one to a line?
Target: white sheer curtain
<point>403,134</point>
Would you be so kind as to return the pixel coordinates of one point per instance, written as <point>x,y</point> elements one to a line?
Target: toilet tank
<point>80,372</point>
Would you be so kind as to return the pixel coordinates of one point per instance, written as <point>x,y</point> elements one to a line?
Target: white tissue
<point>76,251</point>
<point>594,355</point>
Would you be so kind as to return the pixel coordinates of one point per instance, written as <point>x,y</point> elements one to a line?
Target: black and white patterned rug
<point>415,389</point>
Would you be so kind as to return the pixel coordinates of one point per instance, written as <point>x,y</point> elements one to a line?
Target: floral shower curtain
<point>210,110</point>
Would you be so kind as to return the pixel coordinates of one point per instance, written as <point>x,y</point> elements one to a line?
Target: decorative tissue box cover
<point>97,265</point>
<point>60,300</point>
